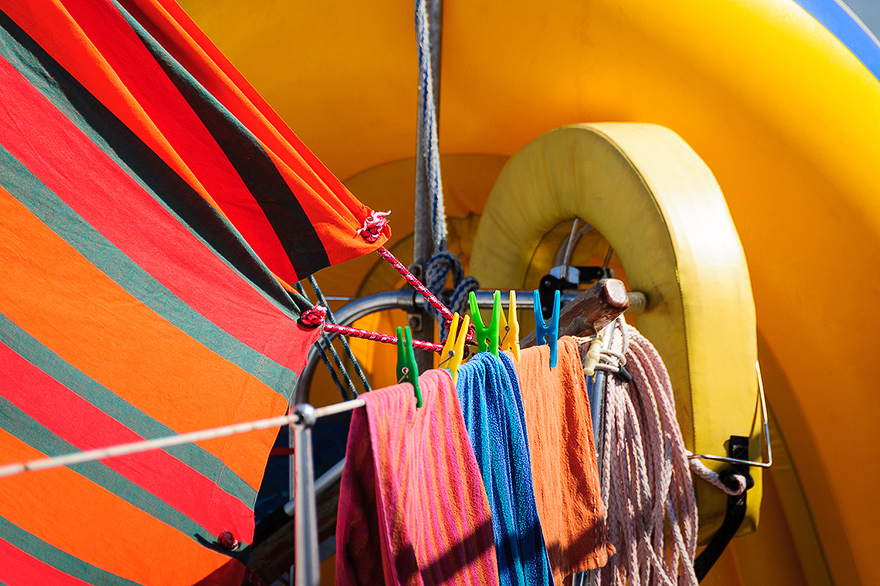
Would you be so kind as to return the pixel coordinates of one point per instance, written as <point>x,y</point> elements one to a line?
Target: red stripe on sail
<point>52,405</point>
<point>151,88</point>
<point>82,175</point>
<point>19,568</point>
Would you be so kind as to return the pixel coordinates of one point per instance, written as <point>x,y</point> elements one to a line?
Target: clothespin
<point>547,332</point>
<point>510,328</point>
<point>406,362</point>
<point>453,350</point>
<point>487,336</point>
<point>592,356</point>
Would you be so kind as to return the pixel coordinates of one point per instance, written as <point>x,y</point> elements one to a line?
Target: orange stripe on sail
<point>86,521</point>
<point>61,299</point>
<point>55,30</point>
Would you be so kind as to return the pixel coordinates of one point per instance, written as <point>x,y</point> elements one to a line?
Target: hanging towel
<point>493,412</point>
<point>412,508</point>
<point>563,457</point>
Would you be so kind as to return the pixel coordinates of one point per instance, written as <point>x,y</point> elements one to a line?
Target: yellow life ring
<point>655,201</point>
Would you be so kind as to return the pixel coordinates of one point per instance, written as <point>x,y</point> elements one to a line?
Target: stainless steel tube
<point>306,516</point>
<point>409,301</point>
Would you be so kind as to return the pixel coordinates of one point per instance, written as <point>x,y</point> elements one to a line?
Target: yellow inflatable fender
<point>655,201</point>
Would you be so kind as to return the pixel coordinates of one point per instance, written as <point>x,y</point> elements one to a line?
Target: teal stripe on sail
<point>114,406</point>
<point>57,215</point>
<point>140,163</point>
<point>18,423</point>
<point>58,559</point>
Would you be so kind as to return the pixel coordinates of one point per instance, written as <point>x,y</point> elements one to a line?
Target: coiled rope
<point>652,512</point>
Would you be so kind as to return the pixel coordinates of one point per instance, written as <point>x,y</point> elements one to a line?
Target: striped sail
<point>151,210</point>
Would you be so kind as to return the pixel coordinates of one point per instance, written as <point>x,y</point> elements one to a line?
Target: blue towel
<point>493,412</point>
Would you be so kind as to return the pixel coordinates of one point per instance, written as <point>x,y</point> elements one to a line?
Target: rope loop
<point>439,267</point>
<point>436,274</point>
<point>458,300</point>
<point>730,482</point>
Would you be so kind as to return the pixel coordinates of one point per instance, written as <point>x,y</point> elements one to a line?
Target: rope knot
<point>313,317</point>
<point>227,540</point>
<point>373,226</point>
<point>436,273</point>
<point>439,267</point>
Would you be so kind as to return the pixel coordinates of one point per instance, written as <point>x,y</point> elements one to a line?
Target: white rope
<point>646,481</point>
<point>713,478</point>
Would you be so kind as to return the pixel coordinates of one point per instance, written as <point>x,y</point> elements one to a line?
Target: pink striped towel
<point>412,507</point>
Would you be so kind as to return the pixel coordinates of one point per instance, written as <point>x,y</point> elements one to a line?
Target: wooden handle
<point>592,310</point>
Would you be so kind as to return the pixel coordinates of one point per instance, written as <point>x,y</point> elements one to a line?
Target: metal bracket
<point>766,425</point>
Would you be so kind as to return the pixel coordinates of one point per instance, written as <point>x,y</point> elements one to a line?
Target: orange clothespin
<point>453,349</point>
<point>509,329</point>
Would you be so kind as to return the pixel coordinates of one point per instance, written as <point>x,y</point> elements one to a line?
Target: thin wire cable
<point>607,258</point>
<point>323,345</point>
<point>345,346</point>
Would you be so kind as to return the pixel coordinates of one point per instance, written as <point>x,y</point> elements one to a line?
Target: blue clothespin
<point>487,336</point>
<point>406,362</point>
<point>545,333</point>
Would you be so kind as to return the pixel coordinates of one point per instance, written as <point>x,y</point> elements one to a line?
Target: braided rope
<point>652,515</point>
<point>714,478</point>
<point>428,122</point>
<point>373,226</point>
<point>436,274</point>
<point>377,337</point>
<point>415,283</point>
<point>439,267</point>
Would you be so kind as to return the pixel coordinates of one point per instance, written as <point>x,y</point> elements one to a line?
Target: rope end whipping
<point>313,317</point>
<point>373,226</point>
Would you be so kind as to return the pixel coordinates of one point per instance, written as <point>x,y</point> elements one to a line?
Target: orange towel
<point>564,470</point>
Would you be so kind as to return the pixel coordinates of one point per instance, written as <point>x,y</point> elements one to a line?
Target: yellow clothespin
<point>453,350</point>
<point>510,329</point>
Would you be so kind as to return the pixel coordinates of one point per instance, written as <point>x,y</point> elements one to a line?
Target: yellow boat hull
<point>786,118</point>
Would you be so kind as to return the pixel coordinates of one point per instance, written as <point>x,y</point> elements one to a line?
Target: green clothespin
<point>487,336</point>
<point>406,362</point>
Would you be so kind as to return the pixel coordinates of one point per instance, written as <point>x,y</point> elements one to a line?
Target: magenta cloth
<point>412,507</point>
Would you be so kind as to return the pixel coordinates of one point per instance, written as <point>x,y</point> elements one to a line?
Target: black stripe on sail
<point>279,203</point>
<point>135,157</point>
